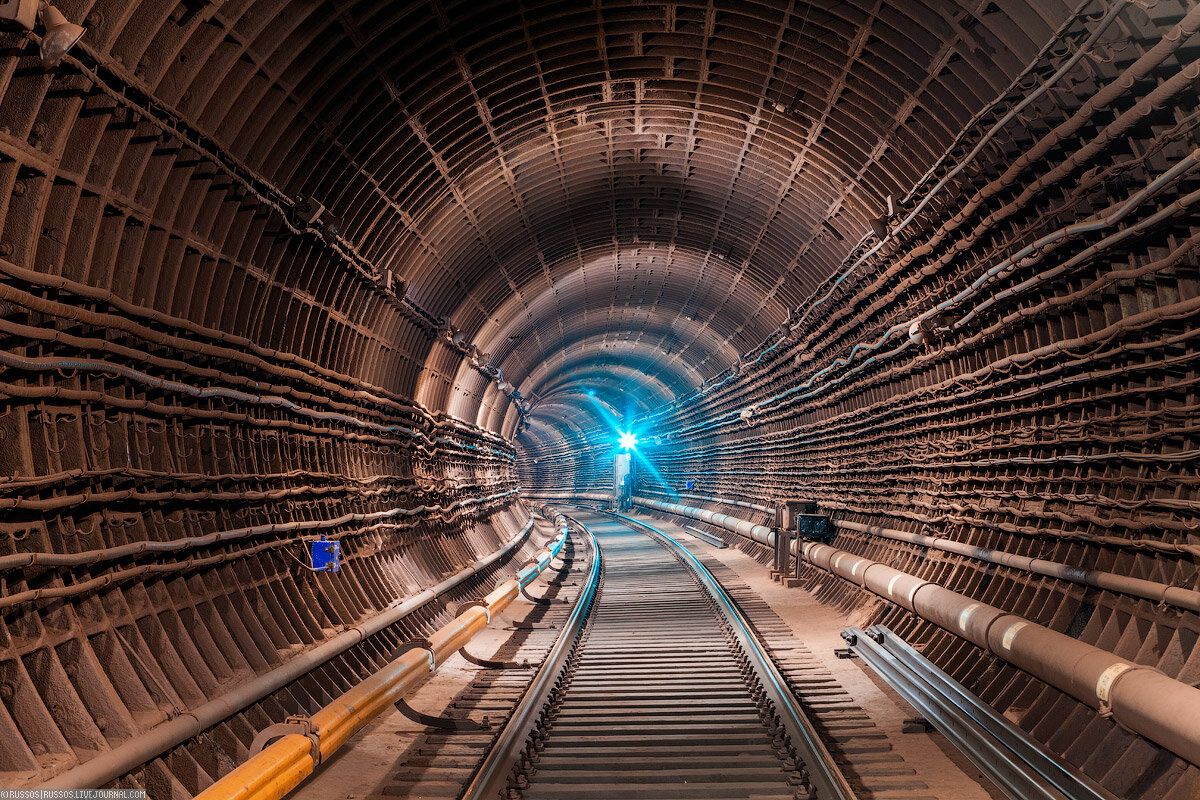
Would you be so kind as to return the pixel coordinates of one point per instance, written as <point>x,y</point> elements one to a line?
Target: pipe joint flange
<point>296,724</point>
<point>1019,621</point>
<point>913,592</point>
<point>862,577</point>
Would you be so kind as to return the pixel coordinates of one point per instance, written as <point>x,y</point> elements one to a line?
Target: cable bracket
<point>296,724</point>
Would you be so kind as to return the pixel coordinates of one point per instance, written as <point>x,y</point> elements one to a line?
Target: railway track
<point>658,688</point>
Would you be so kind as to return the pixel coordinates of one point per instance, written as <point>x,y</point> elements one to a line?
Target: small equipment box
<point>326,555</point>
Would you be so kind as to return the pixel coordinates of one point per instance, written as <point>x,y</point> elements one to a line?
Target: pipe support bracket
<point>296,724</point>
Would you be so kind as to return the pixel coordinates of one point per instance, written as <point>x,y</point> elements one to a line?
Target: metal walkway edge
<point>1016,764</point>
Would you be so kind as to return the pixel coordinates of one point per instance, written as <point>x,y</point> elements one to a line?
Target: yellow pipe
<point>269,775</point>
<point>338,721</point>
<point>447,641</point>
<point>285,763</point>
<point>502,595</point>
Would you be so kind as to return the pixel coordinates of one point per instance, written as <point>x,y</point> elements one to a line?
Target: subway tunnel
<point>896,302</point>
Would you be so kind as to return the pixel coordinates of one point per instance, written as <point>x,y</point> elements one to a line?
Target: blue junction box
<point>326,555</point>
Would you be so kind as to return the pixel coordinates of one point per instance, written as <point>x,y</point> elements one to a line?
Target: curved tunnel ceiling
<point>552,176</point>
<point>206,204</point>
<point>660,183</point>
<point>567,174</point>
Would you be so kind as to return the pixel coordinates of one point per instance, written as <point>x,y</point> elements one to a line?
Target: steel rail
<point>1140,698</point>
<point>1016,764</point>
<point>705,537</point>
<point>614,712</point>
<point>823,771</point>
<point>492,778</point>
<point>133,752</point>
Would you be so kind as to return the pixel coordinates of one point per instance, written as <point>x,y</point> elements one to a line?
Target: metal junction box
<point>326,555</point>
<point>813,526</point>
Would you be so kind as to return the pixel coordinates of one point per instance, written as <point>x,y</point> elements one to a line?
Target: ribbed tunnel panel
<point>389,273</point>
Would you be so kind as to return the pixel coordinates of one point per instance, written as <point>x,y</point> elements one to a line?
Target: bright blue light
<point>628,441</point>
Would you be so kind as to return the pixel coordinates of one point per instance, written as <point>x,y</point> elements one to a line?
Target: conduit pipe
<point>1034,250</point>
<point>18,560</point>
<point>567,496</point>
<point>1138,697</point>
<point>283,765</point>
<point>84,397</point>
<point>1125,584</point>
<point>18,362</point>
<point>60,501</point>
<point>759,533</point>
<point>162,115</point>
<point>252,355</point>
<point>89,344</point>
<point>723,501</point>
<point>129,755</point>
<point>1136,587</point>
<point>1080,51</point>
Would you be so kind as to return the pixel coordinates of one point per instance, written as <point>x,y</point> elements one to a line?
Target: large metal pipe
<point>598,496</point>
<point>129,755</point>
<point>725,501</point>
<point>1138,697</point>
<point>284,764</point>
<point>759,533</point>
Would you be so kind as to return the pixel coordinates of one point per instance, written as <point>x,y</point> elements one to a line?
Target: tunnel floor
<point>860,718</point>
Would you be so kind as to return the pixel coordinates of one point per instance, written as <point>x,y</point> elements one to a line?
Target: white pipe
<point>1139,697</point>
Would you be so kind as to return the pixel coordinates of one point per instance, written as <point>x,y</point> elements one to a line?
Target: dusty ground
<point>360,769</point>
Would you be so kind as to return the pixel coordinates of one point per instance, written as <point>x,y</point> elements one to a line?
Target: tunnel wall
<point>1014,368</point>
<point>198,378</point>
<point>564,460</point>
<point>201,368</point>
<point>164,478</point>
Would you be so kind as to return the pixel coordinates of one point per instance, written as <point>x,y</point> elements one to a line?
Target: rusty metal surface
<point>621,198</point>
<point>1043,409</point>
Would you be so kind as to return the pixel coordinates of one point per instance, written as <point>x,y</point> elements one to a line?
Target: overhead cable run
<point>301,216</point>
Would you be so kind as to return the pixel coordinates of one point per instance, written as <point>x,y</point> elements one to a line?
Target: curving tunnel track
<point>390,274</point>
